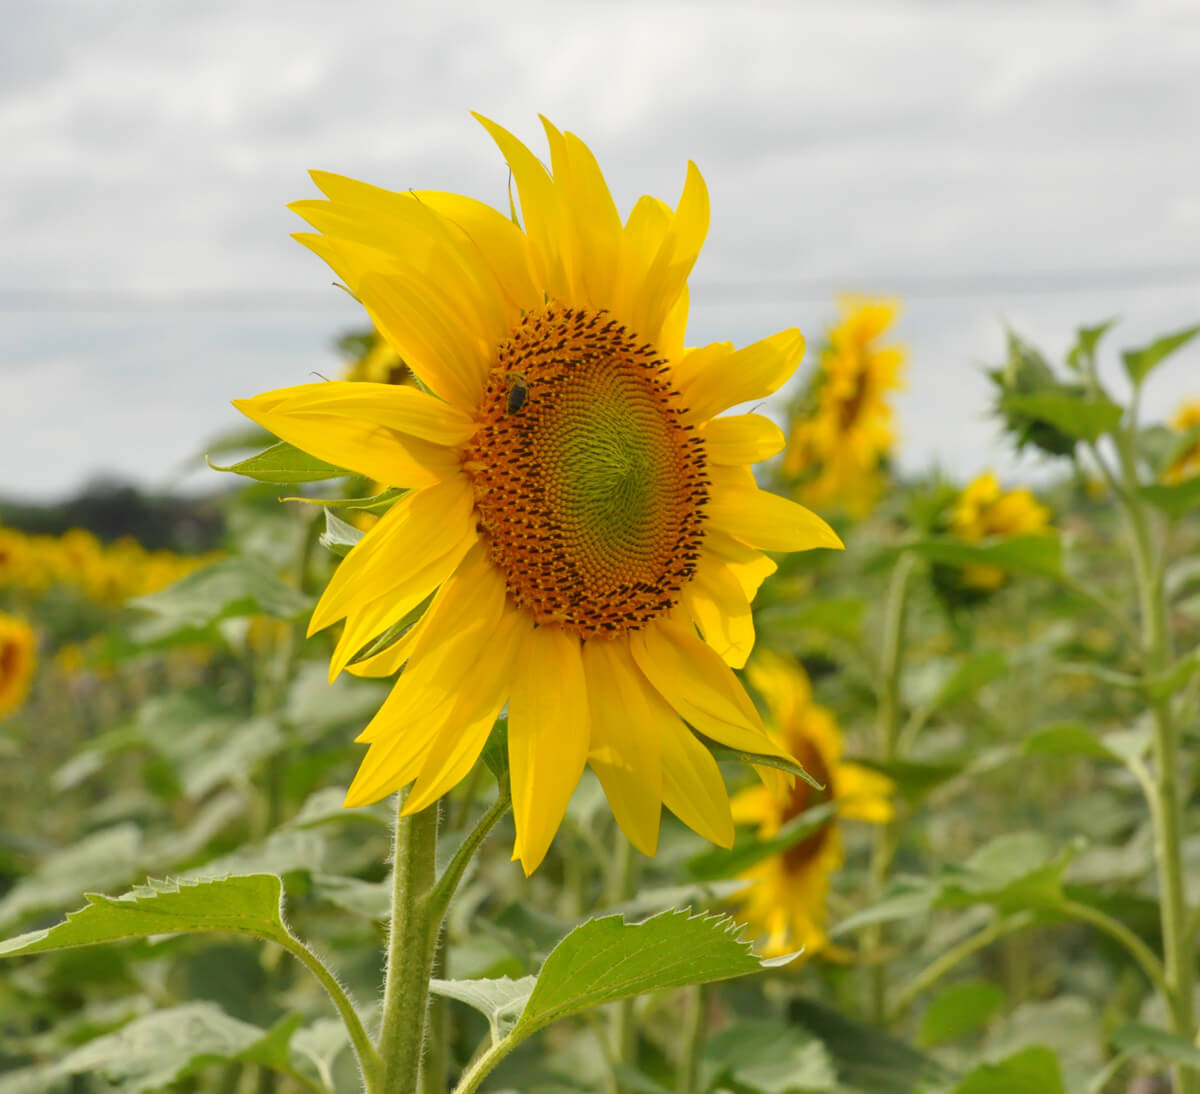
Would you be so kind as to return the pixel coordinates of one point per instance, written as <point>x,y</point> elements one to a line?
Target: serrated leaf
<point>229,588</point>
<point>958,1011</point>
<point>242,905</point>
<point>1040,555</point>
<point>1136,1037</point>
<point>1031,1071</point>
<point>339,536</point>
<point>1086,418</point>
<point>748,851</point>
<point>1139,362</point>
<point>499,1000</point>
<point>607,959</point>
<point>284,463</point>
<point>1175,498</point>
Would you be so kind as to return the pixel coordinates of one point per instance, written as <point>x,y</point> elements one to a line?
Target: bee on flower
<point>786,898</point>
<point>843,436</point>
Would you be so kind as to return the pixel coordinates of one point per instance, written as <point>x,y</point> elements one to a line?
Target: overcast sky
<point>1036,164</point>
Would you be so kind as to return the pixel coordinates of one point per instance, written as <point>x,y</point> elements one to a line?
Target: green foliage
<point>1140,362</point>
<point>961,1009</point>
<point>1030,1071</point>
<point>283,463</point>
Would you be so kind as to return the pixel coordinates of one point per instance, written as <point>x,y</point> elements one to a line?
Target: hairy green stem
<point>623,886</point>
<point>1146,958</point>
<point>1166,810</point>
<point>888,837</point>
<point>482,1066</point>
<point>411,943</point>
<point>368,1058</point>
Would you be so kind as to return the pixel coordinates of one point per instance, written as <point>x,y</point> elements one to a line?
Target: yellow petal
<point>864,794</point>
<point>693,788</point>
<point>717,603</point>
<point>755,805</point>
<point>628,720</point>
<point>322,424</point>
<point>473,713</point>
<point>767,520</point>
<point>711,383</point>
<point>548,738</point>
<point>749,567</point>
<point>700,687</point>
<point>742,439</point>
<point>417,530</point>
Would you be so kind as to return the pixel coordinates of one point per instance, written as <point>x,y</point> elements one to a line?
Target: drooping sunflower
<point>840,446</point>
<point>1186,464</point>
<point>786,900</point>
<point>575,509</point>
<point>18,656</point>
<point>983,511</point>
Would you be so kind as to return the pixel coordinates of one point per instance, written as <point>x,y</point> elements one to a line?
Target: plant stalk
<point>411,944</point>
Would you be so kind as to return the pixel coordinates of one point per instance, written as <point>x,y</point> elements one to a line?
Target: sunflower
<point>378,363</point>
<point>841,446</point>
<point>18,655</point>
<point>1186,464</point>
<point>787,895</point>
<point>575,510</point>
<point>983,511</point>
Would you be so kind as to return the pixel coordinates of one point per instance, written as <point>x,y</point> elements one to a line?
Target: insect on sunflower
<point>575,509</point>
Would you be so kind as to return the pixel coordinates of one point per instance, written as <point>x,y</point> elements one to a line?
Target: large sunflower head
<point>786,900</point>
<point>18,656</point>
<point>575,509</point>
<point>841,444</point>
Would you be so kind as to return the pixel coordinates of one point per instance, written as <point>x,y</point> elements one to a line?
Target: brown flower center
<point>589,487</point>
<point>805,797</point>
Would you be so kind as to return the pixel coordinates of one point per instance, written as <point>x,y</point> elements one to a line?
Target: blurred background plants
<point>997,690</point>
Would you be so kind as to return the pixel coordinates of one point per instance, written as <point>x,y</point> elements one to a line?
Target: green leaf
<point>749,851</point>
<point>500,1000</point>
<point>1175,498</point>
<point>1068,739</point>
<point>1011,872</point>
<point>284,463</point>
<point>974,673</point>
<point>1086,340</point>
<point>168,1045</point>
<point>495,752</point>
<point>339,535</point>
<point>724,755</point>
<point>1040,555</point>
<point>1086,418</point>
<point>243,905</point>
<point>1139,362</point>
<point>767,1057</point>
<point>232,587</point>
<point>607,959</point>
<point>1135,1037</point>
<point>1031,1071</point>
<point>916,779</point>
<point>903,898</point>
<point>960,1010</point>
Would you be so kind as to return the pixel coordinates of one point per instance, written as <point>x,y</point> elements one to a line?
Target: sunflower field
<point>367,793</point>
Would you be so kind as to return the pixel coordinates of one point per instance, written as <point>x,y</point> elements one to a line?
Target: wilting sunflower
<point>983,511</point>
<point>840,445</point>
<point>786,901</point>
<point>1186,464</point>
<point>575,509</point>
<point>18,656</point>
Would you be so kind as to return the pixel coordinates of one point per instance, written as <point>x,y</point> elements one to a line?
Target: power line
<point>911,286</point>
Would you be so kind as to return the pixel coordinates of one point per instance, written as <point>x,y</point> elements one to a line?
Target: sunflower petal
<point>766,520</point>
<point>693,788</point>
<point>710,383</point>
<point>742,439</point>
<point>549,732</point>
<point>717,603</point>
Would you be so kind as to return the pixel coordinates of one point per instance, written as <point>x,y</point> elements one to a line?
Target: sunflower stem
<point>624,884</point>
<point>890,710</point>
<point>411,945</point>
<point>695,1032</point>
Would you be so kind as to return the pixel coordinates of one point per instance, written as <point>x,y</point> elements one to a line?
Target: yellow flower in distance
<point>786,900</point>
<point>18,656</point>
<point>575,507</point>
<point>1187,464</point>
<point>983,511</point>
<point>843,444</point>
